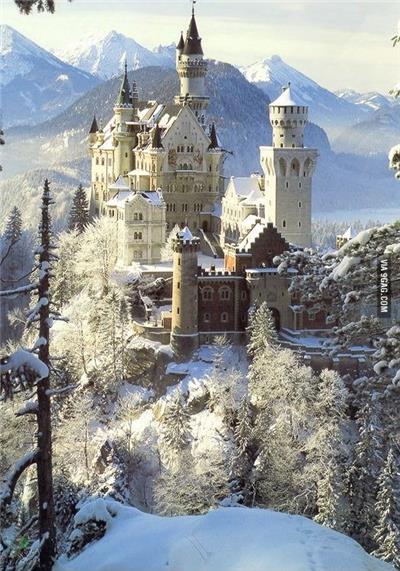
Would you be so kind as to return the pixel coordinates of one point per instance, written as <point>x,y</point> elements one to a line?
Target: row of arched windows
<point>181,148</point>
<point>138,216</point>
<point>138,236</point>
<point>224,317</point>
<point>207,293</point>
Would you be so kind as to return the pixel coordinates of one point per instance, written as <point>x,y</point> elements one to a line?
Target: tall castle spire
<point>124,98</point>
<point>192,70</point>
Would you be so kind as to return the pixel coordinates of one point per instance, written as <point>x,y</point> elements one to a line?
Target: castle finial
<point>126,65</point>
<point>193,3</point>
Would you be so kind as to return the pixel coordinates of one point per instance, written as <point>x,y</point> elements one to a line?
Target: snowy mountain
<point>379,131</point>
<point>226,539</point>
<point>104,56</point>
<point>370,100</point>
<point>35,84</point>
<point>326,108</point>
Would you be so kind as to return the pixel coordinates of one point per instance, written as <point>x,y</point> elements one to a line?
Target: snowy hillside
<point>104,56</point>
<point>35,84</point>
<point>372,99</point>
<point>379,131</point>
<point>326,108</point>
<point>227,539</point>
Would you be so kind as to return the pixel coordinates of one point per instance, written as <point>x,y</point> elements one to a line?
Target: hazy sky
<point>339,44</point>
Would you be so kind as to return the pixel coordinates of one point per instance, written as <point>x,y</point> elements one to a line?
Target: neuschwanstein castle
<point>155,165</point>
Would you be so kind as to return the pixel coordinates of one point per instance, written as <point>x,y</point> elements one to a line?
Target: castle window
<point>283,223</point>
<point>299,224</point>
<point>287,184</point>
<point>299,204</point>
<point>299,184</point>
<point>179,261</point>
<point>207,293</point>
<point>243,296</point>
<point>224,293</point>
<point>281,145</point>
<point>126,155</point>
<point>177,310</point>
<point>224,317</point>
<point>97,160</point>
<point>178,285</point>
<point>206,318</point>
<point>137,254</point>
<point>102,162</point>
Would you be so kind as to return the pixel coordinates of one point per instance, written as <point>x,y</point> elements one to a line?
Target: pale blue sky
<point>339,44</point>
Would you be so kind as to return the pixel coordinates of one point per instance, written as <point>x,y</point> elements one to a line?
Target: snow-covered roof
<point>138,172</point>
<point>185,234</point>
<point>119,198</point>
<point>286,99</point>
<point>251,220</point>
<point>153,196</point>
<point>248,240</point>
<point>247,188</point>
<point>119,184</point>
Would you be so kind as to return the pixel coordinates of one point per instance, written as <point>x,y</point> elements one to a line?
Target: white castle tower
<point>192,70</point>
<point>288,168</point>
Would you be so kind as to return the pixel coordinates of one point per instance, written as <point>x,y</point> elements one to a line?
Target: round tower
<point>124,137</point>
<point>288,119</point>
<point>184,328</point>
<point>192,71</point>
<point>288,167</point>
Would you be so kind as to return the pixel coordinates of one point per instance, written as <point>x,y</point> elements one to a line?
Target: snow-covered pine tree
<point>328,459</point>
<point>13,228</point>
<point>167,250</point>
<point>387,530</point>
<point>66,281</point>
<point>79,214</point>
<point>112,336</point>
<point>368,459</point>
<point>175,431</point>
<point>262,329</point>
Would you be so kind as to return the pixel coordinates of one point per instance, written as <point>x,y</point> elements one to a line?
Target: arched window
<point>137,254</point>
<point>97,160</point>
<point>207,294</point>
<point>295,168</point>
<point>283,223</point>
<point>224,317</point>
<point>224,293</point>
<point>102,162</point>
<point>307,167</point>
<point>207,318</point>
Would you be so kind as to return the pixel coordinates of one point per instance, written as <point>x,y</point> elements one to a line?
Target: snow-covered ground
<point>226,539</point>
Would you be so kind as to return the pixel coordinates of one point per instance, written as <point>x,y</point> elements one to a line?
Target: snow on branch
<point>29,407</point>
<point>11,479</point>
<point>18,291</point>
<point>21,369</point>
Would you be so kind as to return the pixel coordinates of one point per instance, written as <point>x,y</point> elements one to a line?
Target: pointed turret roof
<point>94,128</point>
<point>287,99</point>
<point>124,92</point>
<point>156,140</point>
<point>181,43</point>
<point>213,138</point>
<point>193,40</point>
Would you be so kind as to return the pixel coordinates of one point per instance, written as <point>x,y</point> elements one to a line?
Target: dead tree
<point>24,370</point>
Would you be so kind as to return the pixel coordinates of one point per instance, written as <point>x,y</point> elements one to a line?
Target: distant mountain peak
<point>104,54</point>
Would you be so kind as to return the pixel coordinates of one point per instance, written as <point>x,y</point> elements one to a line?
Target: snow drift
<point>234,539</point>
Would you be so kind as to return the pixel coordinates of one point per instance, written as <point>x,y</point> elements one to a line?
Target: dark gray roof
<point>193,40</point>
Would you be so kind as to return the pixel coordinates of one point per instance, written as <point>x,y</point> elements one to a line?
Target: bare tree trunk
<point>44,463</point>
